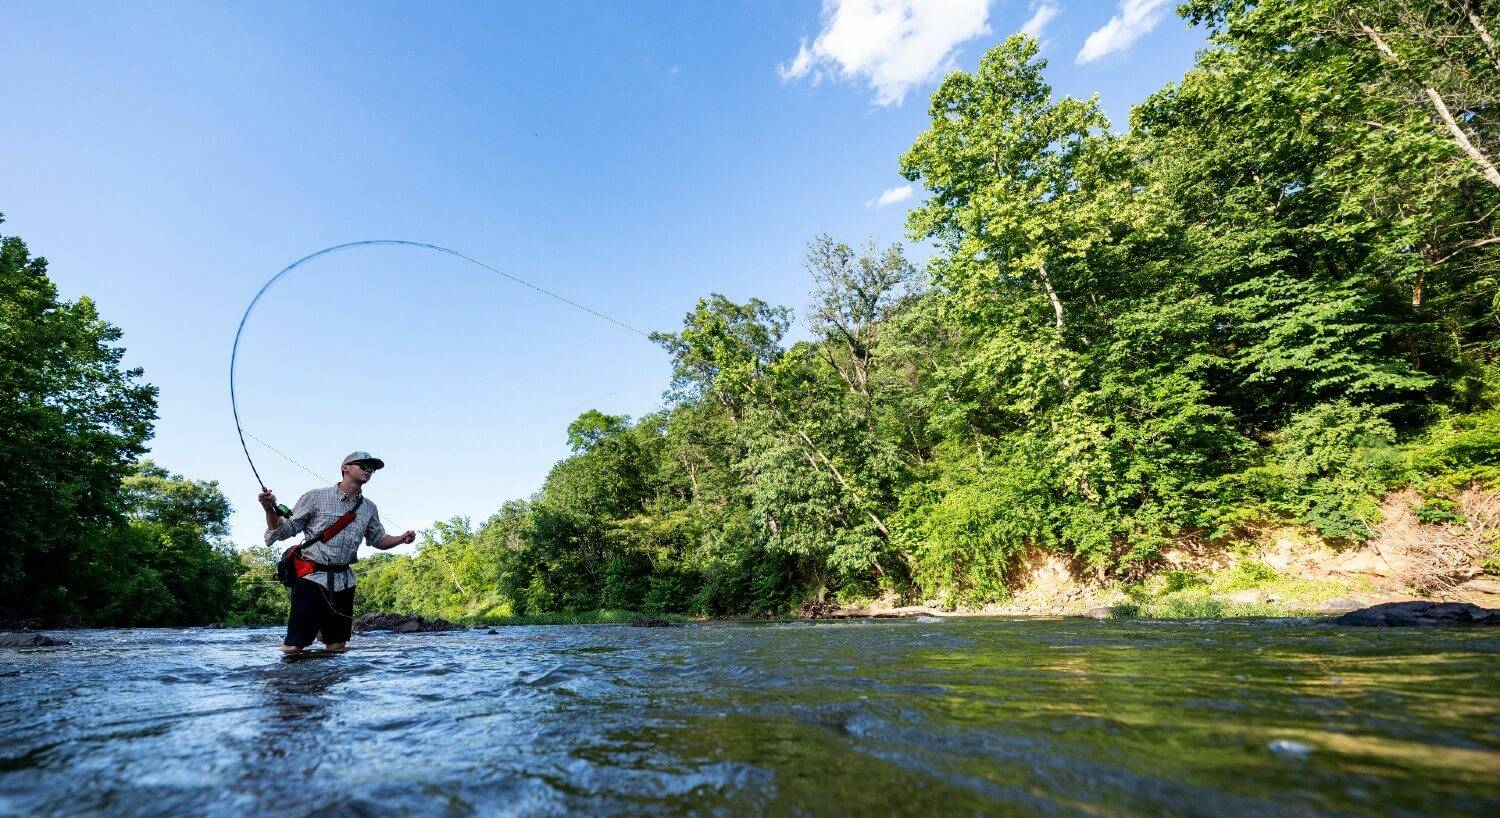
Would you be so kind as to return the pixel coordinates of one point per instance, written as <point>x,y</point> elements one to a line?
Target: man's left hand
<point>409,537</point>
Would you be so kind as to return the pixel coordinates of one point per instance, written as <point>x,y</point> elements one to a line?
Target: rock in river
<point>648,622</point>
<point>1420,612</point>
<point>402,624</point>
<point>27,639</point>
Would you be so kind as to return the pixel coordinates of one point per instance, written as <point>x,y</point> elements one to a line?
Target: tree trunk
<point>837,475</point>
<point>451,573</point>
<point>1484,33</point>
<point>1057,307</point>
<point>1459,135</point>
<point>692,473</point>
<point>1462,138</point>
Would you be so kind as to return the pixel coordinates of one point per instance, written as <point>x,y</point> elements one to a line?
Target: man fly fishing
<point>335,519</point>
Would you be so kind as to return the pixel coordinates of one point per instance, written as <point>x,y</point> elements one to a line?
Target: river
<point>929,717</point>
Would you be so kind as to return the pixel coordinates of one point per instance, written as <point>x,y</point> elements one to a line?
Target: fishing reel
<point>283,510</point>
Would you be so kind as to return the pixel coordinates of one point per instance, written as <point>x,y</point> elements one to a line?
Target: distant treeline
<point>1272,300</point>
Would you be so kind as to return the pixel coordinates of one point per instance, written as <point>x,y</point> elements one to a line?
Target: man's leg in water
<point>338,620</point>
<point>302,623</point>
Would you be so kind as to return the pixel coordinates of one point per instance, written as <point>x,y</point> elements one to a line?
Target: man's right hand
<point>268,502</point>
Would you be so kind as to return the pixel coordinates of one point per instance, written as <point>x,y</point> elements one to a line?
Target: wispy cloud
<point>893,45</point>
<point>1041,14</point>
<point>1133,19</point>
<point>891,196</point>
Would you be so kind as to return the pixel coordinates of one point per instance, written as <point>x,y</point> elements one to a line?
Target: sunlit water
<point>860,718</point>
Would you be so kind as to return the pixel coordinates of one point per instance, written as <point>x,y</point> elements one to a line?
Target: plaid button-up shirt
<point>317,510</point>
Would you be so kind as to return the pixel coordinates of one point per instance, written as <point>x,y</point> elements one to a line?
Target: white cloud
<point>891,196</point>
<point>798,65</point>
<point>1041,14</point>
<point>1133,20</point>
<point>893,45</point>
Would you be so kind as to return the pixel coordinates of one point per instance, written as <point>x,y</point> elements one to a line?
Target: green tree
<point>258,599</point>
<point>170,563</point>
<point>74,419</point>
<point>1011,171</point>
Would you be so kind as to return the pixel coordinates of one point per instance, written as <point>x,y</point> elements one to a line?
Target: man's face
<point>359,472</point>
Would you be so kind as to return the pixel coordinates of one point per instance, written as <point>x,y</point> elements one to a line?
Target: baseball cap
<point>364,457</point>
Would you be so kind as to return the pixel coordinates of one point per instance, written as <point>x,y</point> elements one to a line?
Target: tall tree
<point>74,420</point>
<point>1005,164</point>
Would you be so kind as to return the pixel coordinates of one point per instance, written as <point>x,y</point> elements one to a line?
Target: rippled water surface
<point>947,717</point>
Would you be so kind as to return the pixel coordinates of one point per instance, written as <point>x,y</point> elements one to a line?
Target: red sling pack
<point>293,567</point>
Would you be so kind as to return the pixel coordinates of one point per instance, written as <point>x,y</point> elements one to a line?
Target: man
<point>323,600</point>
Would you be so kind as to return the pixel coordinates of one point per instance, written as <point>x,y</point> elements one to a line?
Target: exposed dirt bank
<point>1285,571</point>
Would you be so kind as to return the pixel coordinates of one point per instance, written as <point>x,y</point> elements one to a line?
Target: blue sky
<point>168,158</point>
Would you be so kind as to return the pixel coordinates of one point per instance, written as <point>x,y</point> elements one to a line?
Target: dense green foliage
<point>73,422</point>
<point>1272,300</point>
<point>167,563</point>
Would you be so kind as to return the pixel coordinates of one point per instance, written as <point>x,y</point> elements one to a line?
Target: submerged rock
<point>1286,748</point>
<point>28,640</point>
<point>1420,612</point>
<point>402,624</point>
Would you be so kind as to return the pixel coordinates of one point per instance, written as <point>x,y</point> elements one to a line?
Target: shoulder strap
<point>338,525</point>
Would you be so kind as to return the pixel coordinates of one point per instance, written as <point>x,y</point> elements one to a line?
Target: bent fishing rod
<point>235,349</point>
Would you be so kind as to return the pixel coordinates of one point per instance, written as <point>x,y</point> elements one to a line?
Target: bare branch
<point>1467,246</point>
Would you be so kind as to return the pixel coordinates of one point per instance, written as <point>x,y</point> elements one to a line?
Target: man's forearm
<point>273,518</point>
<point>389,541</point>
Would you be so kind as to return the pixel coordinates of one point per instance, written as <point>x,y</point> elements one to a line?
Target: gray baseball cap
<point>364,457</point>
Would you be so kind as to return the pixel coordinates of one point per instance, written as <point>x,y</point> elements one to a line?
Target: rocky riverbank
<point>1417,614</point>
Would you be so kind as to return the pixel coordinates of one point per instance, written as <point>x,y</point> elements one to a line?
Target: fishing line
<point>235,349</point>
<point>286,457</point>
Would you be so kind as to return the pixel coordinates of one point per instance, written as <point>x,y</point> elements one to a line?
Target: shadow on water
<point>296,689</point>
<point>296,747</point>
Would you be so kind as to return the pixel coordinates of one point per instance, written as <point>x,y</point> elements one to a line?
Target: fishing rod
<point>235,349</point>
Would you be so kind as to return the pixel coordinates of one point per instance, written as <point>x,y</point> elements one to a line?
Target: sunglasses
<point>363,465</point>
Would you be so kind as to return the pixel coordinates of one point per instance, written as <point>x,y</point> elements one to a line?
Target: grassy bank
<point>1248,588</point>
